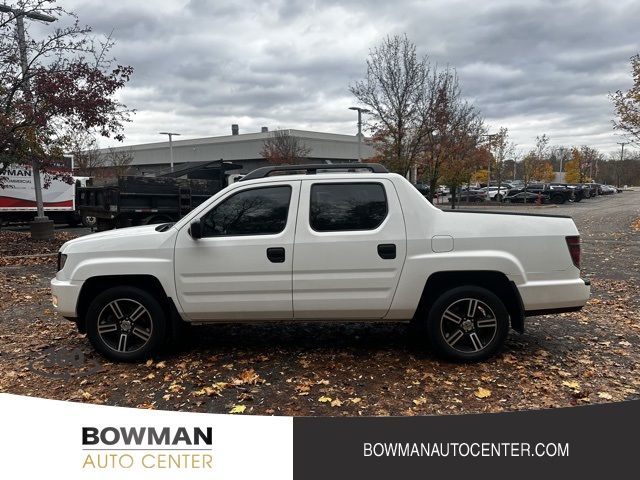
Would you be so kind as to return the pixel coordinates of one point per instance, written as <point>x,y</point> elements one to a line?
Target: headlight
<point>62,258</point>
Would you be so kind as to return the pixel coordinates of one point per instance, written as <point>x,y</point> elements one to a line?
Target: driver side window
<point>258,211</point>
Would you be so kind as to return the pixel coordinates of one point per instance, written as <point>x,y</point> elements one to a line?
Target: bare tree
<point>503,148</point>
<point>394,89</point>
<point>283,148</point>
<point>118,161</point>
<point>86,155</point>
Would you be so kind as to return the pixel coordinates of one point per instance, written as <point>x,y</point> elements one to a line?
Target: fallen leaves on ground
<point>482,393</point>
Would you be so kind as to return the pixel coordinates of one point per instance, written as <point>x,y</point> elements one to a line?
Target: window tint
<point>347,206</point>
<point>260,211</point>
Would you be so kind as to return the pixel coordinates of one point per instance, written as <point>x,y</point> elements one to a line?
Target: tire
<point>456,335</point>
<point>498,198</point>
<point>119,330</point>
<point>558,199</point>
<point>89,221</point>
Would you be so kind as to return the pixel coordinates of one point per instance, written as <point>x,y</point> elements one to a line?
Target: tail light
<point>573,244</point>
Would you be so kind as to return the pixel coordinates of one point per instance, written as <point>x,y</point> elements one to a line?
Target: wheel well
<point>496,282</point>
<point>96,285</point>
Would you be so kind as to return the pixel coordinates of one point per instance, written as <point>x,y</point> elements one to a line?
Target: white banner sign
<point>44,438</point>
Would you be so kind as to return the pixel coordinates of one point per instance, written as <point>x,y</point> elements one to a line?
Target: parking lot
<point>342,369</point>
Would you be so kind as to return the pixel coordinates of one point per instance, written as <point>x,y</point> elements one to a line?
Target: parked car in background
<point>423,188</point>
<point>576,191</point>
<point>526,197</point>
<point>557,194</point>
<point>492,193</point>
<point>472,196</point>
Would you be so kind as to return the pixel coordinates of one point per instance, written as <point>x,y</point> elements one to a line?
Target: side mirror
<point>195,229</point>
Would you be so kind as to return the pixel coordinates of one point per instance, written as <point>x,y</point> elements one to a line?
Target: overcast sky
<point>201,65</point>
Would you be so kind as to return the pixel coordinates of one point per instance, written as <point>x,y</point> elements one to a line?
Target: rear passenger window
<point>347,206</point>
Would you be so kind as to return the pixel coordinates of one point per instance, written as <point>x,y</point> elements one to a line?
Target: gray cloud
<point>540,66</point>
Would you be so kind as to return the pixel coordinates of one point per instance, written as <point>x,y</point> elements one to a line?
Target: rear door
<point>350,246</point>
<point>241,268</point>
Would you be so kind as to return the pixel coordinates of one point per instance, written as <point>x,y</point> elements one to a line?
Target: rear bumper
<point>557,296</point>
<point>64,295</point>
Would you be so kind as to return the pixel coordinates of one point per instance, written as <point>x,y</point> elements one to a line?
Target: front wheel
<point>126,324</point>
<point>467,324</point>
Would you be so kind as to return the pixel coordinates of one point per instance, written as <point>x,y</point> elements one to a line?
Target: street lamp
<point>41,227</point>
<point>360,112</point>
<point>171,135</point>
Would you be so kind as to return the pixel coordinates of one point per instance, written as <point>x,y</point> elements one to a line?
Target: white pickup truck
<point>322,242</point>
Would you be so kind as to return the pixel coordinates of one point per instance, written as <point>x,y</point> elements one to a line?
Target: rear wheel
<point>126,324</point>
<point>558,199</point>
<point>467,324</point>
<point>89,221</point>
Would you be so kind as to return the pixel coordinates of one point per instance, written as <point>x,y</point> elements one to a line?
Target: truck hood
<point>127,239</point>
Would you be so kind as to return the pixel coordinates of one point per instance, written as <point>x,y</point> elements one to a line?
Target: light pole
<point>41,227</point>
<point>171,135</point>
<point>360,112</point>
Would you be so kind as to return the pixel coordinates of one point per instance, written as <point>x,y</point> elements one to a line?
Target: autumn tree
<point>502,149</point>
<point>395,91</point>
<point>544,172</point>
<point>627,104</point>
<point>281,147</point>
<point>529,166</point>
<point>460,169</point>
<point>68,84</point>
<point>573,168</point>
<point>454,128</point>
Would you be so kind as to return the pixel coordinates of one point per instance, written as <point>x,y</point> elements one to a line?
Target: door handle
<point>276,254</point>
<point>387,251</point>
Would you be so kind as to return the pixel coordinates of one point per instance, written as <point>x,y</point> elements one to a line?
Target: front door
<point>349,250</point>
<point>241,267</point>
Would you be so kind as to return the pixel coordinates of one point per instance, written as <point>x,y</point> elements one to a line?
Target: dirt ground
<point>592,356</point>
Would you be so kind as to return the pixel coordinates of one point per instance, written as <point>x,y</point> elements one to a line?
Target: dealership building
<point>243,149</point>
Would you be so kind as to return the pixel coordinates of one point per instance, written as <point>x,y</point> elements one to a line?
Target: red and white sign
<point>17,192</point>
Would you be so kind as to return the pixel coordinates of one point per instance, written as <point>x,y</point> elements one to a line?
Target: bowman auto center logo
<point>147,447</point>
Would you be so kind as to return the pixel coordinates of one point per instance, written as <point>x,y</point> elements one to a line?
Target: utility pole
<point>41,227</point>
<point>622,144</point>
<point>360,112</point>
<point>171,135</point>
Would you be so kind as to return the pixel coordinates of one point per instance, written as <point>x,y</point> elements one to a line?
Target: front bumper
<point>555,295</point>
<point>65,295</point>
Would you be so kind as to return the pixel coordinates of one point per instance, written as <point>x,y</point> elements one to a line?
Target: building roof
<point>243,147</point>
<point>242,137</point>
